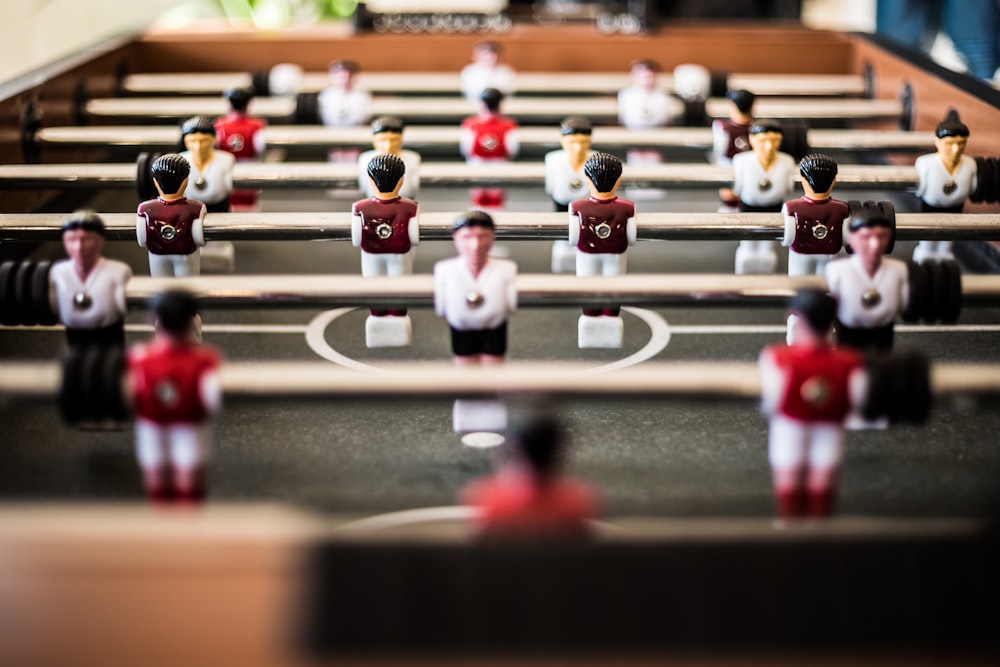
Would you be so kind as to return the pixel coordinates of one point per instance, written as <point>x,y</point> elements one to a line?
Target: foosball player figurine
<point>732,135</point>
<point>565,181</point>
<point>387,139</point>
<point>644,105</point>
<point>814,223</point>
<point>241,135</point>
<point>808,389</point>
<point>947,178</point>
<point>871,289</point>
<point>530,499</point>
<point>175,389</point>
<point>476,294</point>
<point>763,178</point>
<point>210,182</point>
<point>489,137</point>
<point>385,226</point>
<point>171,227</point>
<point>88,289</point>
<point>485,71</point>
<point>342,104</point>
<point>601,228</point>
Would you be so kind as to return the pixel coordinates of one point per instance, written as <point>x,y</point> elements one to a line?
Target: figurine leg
<point>756,257</point>
<point>478,415</point>
<point>189,445</point>
<point>825,453</point>
<point>151,453</point>
<point>939,250</point>
<point>161,266</point>
<point>187,265</point>
<point>563,257</point>
<point>787,457</point>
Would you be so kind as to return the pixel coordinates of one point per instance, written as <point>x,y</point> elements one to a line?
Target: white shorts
<point>386,264</point>
<point>183,446</point>
<point>600,264</point>
<point>175,265</point>
<point>793,444</point>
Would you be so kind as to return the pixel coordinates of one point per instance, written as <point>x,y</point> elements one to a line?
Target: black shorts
<point>873,340</point>
<point>112,335</point>
<point>479,341</point>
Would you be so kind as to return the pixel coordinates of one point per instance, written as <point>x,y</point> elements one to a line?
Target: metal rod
<point>320,380</point>
<point>453,109</point>
<point>527,82</point>
<point>534,290</point>
<point>34,227</point>
<point>426,136</point>
<point>329,175</point>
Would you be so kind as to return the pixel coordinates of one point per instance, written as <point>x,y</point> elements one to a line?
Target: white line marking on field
<point>659,338</point>
<point>316,338</point>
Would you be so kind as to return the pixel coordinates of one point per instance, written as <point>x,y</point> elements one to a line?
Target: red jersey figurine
<point>529,500</point>
<point>489,137</point>
<point>809,389</point>
<point>240,134</point>
<point>175,390</point>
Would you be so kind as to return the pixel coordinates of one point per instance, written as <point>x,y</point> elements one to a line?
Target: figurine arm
<point>210,391</point>
<point>512,290</point>
<point>121,304</point>
<point>357,222</point>
<point>259,142</point>
<point>789,219</point>
<point>227,173</point>
<point>631,230</point>
<point>439,291</point>
<point>414,229</point>
<point>465,142</point>
<point>512,144</point>
<point>198,228</point>
<point>140,230</point>
<point>574,228</point>
<point>550,172</point>
<point>720,142</point>
<point>771,382</point>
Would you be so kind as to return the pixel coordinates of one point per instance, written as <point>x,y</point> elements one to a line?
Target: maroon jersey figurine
<point>814,224</point>
<point>171,227</point>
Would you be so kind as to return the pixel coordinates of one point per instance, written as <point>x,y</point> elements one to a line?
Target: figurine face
<point>341,78</point>
<point>201,144</point>
<point>950,150</point>
<point>765,145</point>
<point>83,246</point>
<point>473,244</point>
<point>643,77</point>
<point>484,56</point>
<point>388,142</point>
<point>869,244</point>
<point>576,146</point>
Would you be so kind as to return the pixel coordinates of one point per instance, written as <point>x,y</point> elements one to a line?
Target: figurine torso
<point>166,381</point>
<point>494,290</point>
<point>489,136</point>
<point>214,183</point>
<point>816,382</point>
<point>385,224</point>
<point>236,134</point>
<point>759,188</point>
<point>98,301</point>
<point>865,301</point>
<point>603,224</point>
<point>562,182</point>
<point>819,225</point>
<point>169,225</point>
<point>940,189</point>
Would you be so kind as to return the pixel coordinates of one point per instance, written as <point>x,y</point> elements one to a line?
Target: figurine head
<point>742,100</point>
<point>692,82</point>
<point>342,73</point>
<point>950,138</point>
<point>83,237</point>
<point>869,234</point>
<point>175,312</point>
<point>386,173</point>
<point>387,135</point>
<point>473,234</point>
<point>644,73</point>
<point>537,444</point>
<point>491,99</point>
<point>765,139</point>
<point>816,311</point>
<point>486,53</point>
<point>818,174</point>
<point>603,172</point>
<point>575,133</point>
<point>239,98</point>
<point>198,135</point>
<point>170,173</point>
